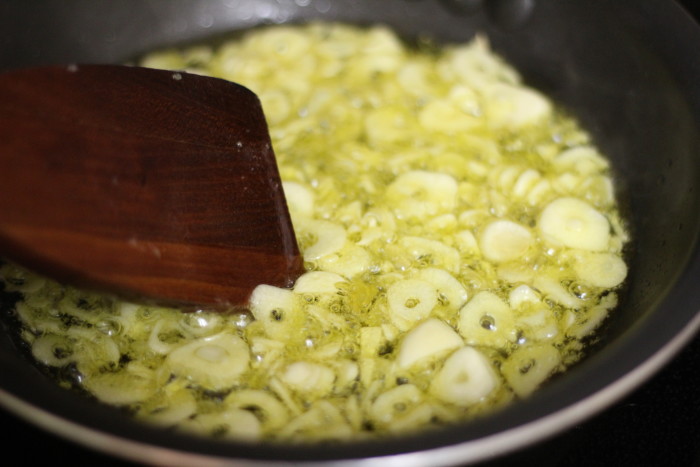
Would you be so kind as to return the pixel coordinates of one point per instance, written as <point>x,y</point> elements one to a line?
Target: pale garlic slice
<point>450,290</point>
<point>529,366</point>
<point>466,378</point>
<point>215,362</point>
<point>425,341</point>
<point>299,198</point>
<point>575,224</point>
<point>487,320</point>
<point>309,377</point>
<point>327,237</point>
<point>600,269</point>
<point>504,240</point>
<point>318,282</point>
<point>419,194</point>
<point>410,300</point>
<point>275,308</point>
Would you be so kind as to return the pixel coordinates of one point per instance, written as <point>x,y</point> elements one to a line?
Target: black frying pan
<point>629,70</point>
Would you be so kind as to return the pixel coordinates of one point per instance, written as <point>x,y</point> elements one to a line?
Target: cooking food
<point>460,233</point>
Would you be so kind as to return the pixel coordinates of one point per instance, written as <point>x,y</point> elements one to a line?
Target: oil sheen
<point>460,233</point>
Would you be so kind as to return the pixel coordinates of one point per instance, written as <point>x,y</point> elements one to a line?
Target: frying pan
<point>628,70</point>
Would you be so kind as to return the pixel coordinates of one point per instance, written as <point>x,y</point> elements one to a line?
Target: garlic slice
<point>504,240</point>
<point>601,269</point>
<point>427,340</point>
<point>447,286</point>
<point>309,377</point>
<point>574,223</point>
<point>465,378</point>
<point>328,237</point>
<point>410,300</point>
<point>521,295</point>
<point>232,424</point>
<point>431,252</point>
<point>273,412</point>
<point>486,320</point>
<point>528,367</point>
<point>508,106</point>
<point>299,199</point>
<point>215,362</point>
<point>395,402</point>
<point>274,308</point>
<point>419,194</point>
<point>318,282</point>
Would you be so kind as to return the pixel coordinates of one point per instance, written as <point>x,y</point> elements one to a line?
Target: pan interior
<point>615,67</point>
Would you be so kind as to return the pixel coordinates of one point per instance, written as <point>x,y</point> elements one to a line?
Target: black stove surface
<point>657,425</point>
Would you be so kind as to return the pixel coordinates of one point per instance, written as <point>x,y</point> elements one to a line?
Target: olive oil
<point>460,233</point>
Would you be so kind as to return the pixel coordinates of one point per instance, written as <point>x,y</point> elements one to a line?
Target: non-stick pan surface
<point>629,70</point>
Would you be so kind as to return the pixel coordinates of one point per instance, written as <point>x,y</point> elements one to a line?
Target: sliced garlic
<point>275,308</point>
<point>318,282</point>
<point>328,237</point>
<point>521,295</point>
<point>386,125</point>
<point>214,362</point>
<point>308,377</point>
<point>431,253</point>
<point>466,378</point>
<point>600,269</point>
<point>585,160</point>
<point>574,223</point>
<point>414,78</point>
<point>347,372</point>
<point>371,340</point>
<point>135,383</point>
<point>476,66</point>
<point>299,199</point>
<point>447,116</point>
<point>504,240</point>
<point>528,367</point>
<point>525,183</point>
<point>419,194</point>
<point>395,402</point>
<point>579,328</point>
<point>53,350</point>
<point>442,223</point>
<point>510,106</point>
<point>164,327</point>
<point>515,272</point>
<point>466,242</point>
<point>411,300</point>
<point>277,106</point>
<point>323,421</point>
<point>382,51</point>
<point>232,423</point>
<point>413,419</point>
<point>273,412</point>
<point>177,405</point>
<point>92,352</point>
<point>349,261</point>
<point>554,290</point>
<point>539,324</point>
<point>486,320</point>
<point>450,290</point>
<point>599,190</point>
<point>427,340</point>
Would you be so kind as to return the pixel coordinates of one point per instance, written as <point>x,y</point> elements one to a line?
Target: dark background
<point>658,424</point>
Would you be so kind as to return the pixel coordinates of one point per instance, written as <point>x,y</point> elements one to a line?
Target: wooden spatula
<point>147,183</point>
